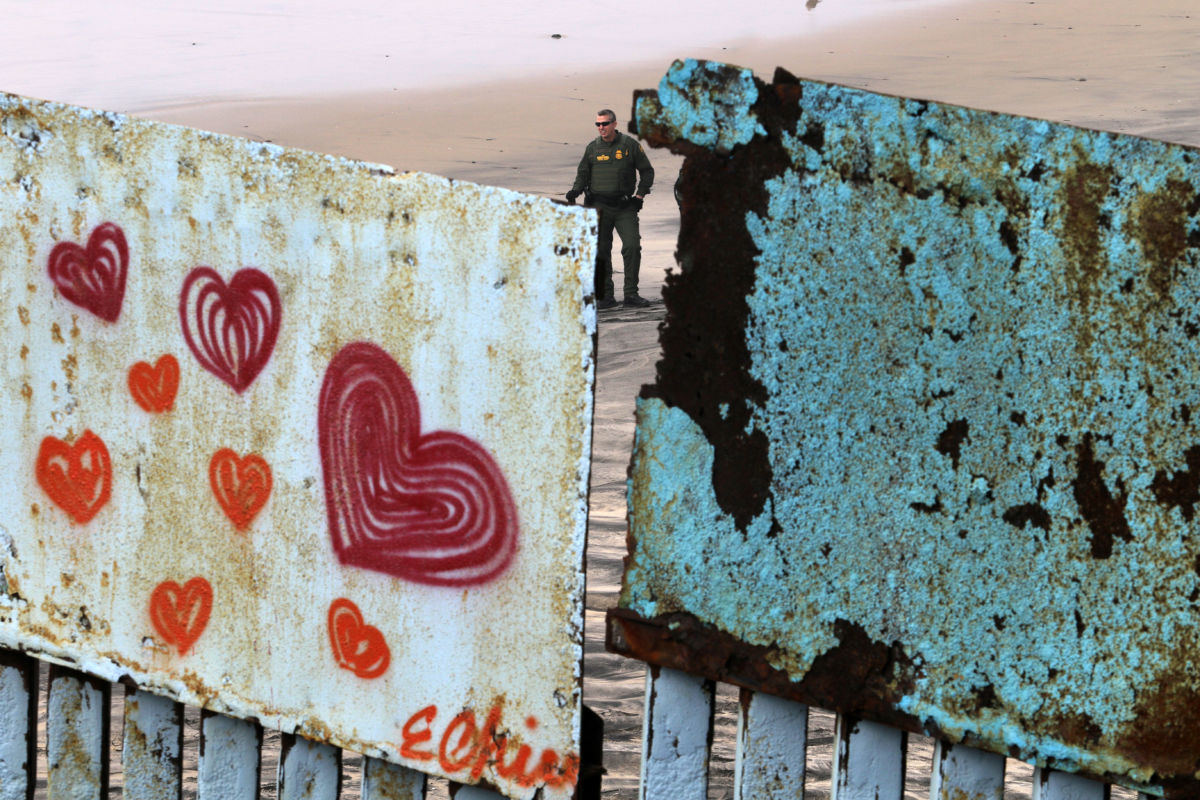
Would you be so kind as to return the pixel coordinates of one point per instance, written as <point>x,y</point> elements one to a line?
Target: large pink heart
<point>432,508</point>
<point>230,329</point>
<point>93,277</point>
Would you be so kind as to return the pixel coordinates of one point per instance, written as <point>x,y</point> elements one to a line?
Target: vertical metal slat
<point>76,736</point>
<point>772,734</point>
<point>18,726</point>
<point>383,780</point>
<point>869,761</point>
<point>230,758</point>
<point>676,734</point>
<point>964,773</point>
<point>1049,784</point>
<point>153,747</point>
<point>308,770</point>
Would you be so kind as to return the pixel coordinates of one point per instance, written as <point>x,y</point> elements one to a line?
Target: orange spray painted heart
<point>77,477</point>
<point>357,646</point>
<point>241,485</point>
<point>154,387</point>
<point>180,613</point>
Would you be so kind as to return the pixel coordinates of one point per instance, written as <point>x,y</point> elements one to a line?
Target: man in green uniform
<point>614,176</point>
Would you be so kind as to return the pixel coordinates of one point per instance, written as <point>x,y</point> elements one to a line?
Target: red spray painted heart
<point>433,508</point>
<point>93,277</point>
<point>230,329</point>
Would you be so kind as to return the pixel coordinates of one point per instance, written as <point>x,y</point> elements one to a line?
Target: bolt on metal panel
<point>924,442</point>
<point>297,439</point>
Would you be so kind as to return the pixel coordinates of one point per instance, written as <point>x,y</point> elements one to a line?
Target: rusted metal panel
<point>383,780</point>
<point>76,736</point>
<point>290,434</point>
<point>923,445</point>
<point>152,755</point>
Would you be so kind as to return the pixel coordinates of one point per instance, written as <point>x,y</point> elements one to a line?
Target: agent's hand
<point>636,201</point>
<point>571,195</point>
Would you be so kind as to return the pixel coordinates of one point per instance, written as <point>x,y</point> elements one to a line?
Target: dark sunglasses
<point>602,124</point>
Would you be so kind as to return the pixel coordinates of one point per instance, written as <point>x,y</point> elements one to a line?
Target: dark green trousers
<point>625,221</point>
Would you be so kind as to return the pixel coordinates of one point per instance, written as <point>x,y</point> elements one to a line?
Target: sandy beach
<point>1103,64</point>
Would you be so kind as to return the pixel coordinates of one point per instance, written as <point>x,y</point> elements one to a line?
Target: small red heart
<point>241,485</point>
<point>180,613</point>
<point>78,477</point>
<point>154,387</point>
<point>357,646</point>
<point>431,508</point>
<point>93,277</point>
<point>230,329</point>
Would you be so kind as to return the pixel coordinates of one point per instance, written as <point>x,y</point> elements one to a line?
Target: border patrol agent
<point>615,176</point>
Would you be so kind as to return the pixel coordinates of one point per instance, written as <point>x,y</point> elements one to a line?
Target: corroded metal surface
<point>77,727</point>
<point>923,442</point>
<point>297,439</point>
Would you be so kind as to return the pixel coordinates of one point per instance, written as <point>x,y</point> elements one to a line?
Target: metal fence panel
<point>289,434</point>
<point>923,444</point>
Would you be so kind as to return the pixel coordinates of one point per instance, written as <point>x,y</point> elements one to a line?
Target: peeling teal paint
<point>977,336</point>
<point>708,103</point>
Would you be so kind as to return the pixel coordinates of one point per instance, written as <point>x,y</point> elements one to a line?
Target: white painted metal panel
<point>230,759</point>
<point>676,732</point>
<point>869,761</point>
<point>18,725</point>
<point>290,433</point>
<point>1049,784</point>
<point>772,736</point>
<point>153,746</point>
<point>964,773</point>
<point>308,770</point>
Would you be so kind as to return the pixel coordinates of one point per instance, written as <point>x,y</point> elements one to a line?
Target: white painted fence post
<point>383,780</point>
<point>152,756</point>
<point>76,736</point>
<point>1049,784</point>
<point>676,733</point>
<point>964,773</point>
<point>772,735</point>
<point>230,758</point>
<point>869,761</point>
<point>18,725</point>
<point>308,770</point>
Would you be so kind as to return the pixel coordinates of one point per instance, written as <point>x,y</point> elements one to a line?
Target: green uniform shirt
<point>614,169</point>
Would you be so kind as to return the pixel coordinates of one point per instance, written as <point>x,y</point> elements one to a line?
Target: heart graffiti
<point>231,329</point>
<point>180,613</point>
<point>154,387</point>
<point>431,508</point>
<point>77,477</point>
<point>241,485</point>
<point>93,277</point>
<point>357,646</point>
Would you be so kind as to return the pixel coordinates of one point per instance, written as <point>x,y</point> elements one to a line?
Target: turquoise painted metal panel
<point>924,444</point>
